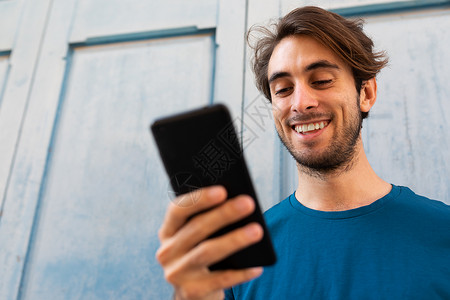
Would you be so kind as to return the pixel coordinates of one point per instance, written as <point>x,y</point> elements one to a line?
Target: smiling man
<point>318,115</point>
<point>345,233</point>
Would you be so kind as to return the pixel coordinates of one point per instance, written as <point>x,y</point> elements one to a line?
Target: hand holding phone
<point>200,148</point>
<point>185,254</point>
<point>213,234</point>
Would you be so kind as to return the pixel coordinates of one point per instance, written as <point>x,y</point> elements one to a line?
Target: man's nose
<point>303,99</point>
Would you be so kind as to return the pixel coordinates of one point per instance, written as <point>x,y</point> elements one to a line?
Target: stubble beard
<point>337,158</point>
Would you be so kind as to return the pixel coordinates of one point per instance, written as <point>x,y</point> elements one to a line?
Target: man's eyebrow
<point>313,66</point>
<point>277,75</point>
<point>321,64</point>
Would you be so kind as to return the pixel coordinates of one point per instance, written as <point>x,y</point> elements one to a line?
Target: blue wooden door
<point>84,191</point>
<point>21,27</point>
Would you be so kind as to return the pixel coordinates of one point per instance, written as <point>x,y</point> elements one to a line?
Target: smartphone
<point>200,148</point>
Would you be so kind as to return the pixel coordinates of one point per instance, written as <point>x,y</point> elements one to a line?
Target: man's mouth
<point>306,128</point>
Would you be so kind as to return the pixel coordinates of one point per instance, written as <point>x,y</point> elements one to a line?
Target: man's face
<point>315,103</point>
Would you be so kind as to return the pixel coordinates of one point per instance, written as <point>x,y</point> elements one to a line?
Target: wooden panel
<point>10,12</point>
<point>20,76</point>
<point>4,68</point>
<point>37,67</point>
<point>262,148</point>
<point>288,5</point>
<point>105,192</point>
<point>230,56</point>
<point>407,137</point>
<point>234,85</point>
<point>102,18</point>
<point>21,215</point>
<point>27,44</point>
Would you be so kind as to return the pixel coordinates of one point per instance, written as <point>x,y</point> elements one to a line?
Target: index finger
<point>177,215</point>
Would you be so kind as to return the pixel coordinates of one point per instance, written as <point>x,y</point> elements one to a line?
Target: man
<point>345,233</point>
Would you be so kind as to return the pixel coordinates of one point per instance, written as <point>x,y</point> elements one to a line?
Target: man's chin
<point>325,165</point>
<point>320,165</point>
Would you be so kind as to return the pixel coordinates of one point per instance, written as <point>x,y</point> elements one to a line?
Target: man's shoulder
<point>421,204</point>
<point>279,210</point>
<point>414,198</point>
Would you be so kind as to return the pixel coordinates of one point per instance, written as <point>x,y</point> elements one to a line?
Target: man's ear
<point>368,95</point>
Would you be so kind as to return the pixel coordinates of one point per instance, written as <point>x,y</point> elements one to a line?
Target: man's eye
<point>322,82</point>
<point>283,91</point>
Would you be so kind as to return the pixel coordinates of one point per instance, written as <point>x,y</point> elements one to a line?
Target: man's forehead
<point>303,52</point>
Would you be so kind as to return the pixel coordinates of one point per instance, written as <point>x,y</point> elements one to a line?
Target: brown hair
<point>344,37</point>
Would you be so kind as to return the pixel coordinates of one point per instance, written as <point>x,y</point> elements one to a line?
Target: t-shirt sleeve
<point>229,294</point>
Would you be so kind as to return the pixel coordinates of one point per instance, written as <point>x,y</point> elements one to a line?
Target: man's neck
<point>355,186</point>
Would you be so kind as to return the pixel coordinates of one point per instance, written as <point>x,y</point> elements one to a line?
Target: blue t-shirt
<point>398,247</point>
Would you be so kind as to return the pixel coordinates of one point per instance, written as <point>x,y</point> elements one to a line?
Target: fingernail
<point>215,192</point>
<point>257,271</point>
<point>253,230</point>
<point>242,204</point>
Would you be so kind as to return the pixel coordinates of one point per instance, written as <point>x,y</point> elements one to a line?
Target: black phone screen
<point>201,148</point>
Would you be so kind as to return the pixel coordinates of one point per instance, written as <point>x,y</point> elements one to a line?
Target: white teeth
<point>310,127</point>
